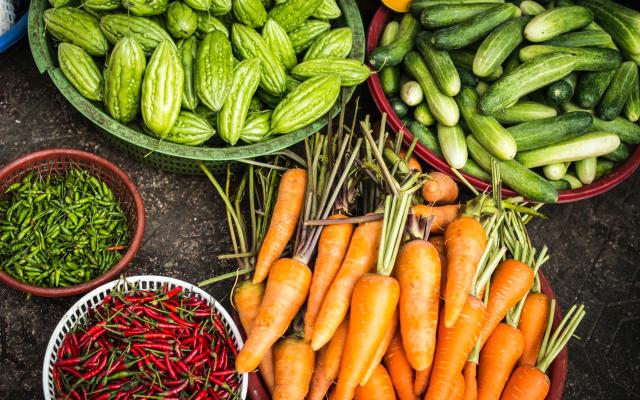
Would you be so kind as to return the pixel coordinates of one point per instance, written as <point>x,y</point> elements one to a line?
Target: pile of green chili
<point>60,230</point>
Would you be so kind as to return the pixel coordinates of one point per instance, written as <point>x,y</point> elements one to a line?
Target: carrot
<point>378,387</point>
<point>457,390</point>
<point>412,162</point>
<point>510,283</point>
<point>399,368</point>
<point>527,383</point>
<point>247,298</point>
<point>470,382</point>
<point>422,381</point>
<point>294,366</point>
<point>332,247</point>
<point>286,212</point>
<point>382,348</point>
<point>442,216</point>
<point>497,359</point>
<point>360,259</point>
<point>533,320</point>
<point>454,346</point>
<point>465,240</point>
<point>286,291</point>
<point>418,272</point>
<point>438,243</point>
<point>375,298</point>
<point>440,188</point>
<point>328,363</point>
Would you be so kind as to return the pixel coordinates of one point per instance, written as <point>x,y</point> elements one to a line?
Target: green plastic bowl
<point>165,155</point>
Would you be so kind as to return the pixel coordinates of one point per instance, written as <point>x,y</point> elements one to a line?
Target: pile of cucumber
<point>549,89</point>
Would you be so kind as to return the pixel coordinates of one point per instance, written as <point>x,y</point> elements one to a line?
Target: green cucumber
<point>586,170</point>
<point>482,87</point>
<point>442,107</point>
<point>393,54</point>
<point>453,145</point>
<point>399,107</point>
<point>390,76</point>
<point>627,131</point>
<point>562,184</point>
<point>562,91</point>
<point>582,39</point>
<point>417,6</point>
<point>574,182</point>
<point>555,172</point>
<point>513,62</point>
<point>618,155</point>
<point>528,77</point>
<point>593,144</point>
<point>529,7</point>
<point>587,58</point>
<point>423,115</point>
<point>622,23</point>
<point>525,111</point>
<point>440,64</point>
<point>411,93</point>
<point>556,21</point>
<point>619,91</point>
<point>472,168</point>
<point>464,59</point>
<point>519,178</point>
<point>475,28</point>
<point>547,131</point>
<point>591,87</point>
<point>632,108</point>
<point>425,137</point>
<point>594,26</point>
<point>444,15</point>
<point>496,47</point>
<point>467,78</point>
<point>604,167</point>
<point>486,129</point>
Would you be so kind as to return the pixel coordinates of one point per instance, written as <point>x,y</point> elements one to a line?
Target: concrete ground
<point>594,245</point>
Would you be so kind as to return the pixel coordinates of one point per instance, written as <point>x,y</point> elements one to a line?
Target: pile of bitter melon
<point>246,69</point>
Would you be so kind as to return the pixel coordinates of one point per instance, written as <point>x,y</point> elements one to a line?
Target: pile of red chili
<point>164,344</point>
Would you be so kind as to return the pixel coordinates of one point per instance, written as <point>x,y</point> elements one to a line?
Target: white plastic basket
<point>92,299</point>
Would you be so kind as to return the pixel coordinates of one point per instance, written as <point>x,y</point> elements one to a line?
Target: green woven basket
<point>165,155</point>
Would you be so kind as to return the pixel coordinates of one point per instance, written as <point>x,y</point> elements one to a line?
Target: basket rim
<point>136,240</point>
<point>57,333</point>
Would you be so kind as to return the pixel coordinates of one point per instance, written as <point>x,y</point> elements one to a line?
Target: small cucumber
<point>513,62</point>
<point>390,76</point>
<point>453,144</point>
<point>619,91</point>
<point>482,87</point>
<point>586,170</point>
<point>496,47</point>
<point>561,184</point>
<point>467,78</point>
<point>425,137</point>
<point>574,182</point>
<point>618,155</point>
<point>556,21</point>
<point>525,111</point>
<point>472,168</point>
<point>444,15</point>
<point>493,137</point>
<point>529,7</point>
<point>562,91</point>
<point>473,29</point>
<point>547,131</point>
<point>519,178</point>
<point>399,107</point>
<point>593,144</point>
<point>591,87</point>
<point>632,108</point>
<point>411,93</point>
<point>464,59</point>
<point>555,172</point>
<point>440,64</point>
<point>621,22</point>
<point>417,6</point>
<point>392,54</point>
<point>627,131</point>
<point>423,115</point>
<point>587,58</point>
<point>582,39</point>
<point>604,167</point>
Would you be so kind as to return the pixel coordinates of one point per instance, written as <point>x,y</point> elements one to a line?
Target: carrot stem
<point>223,277</point>
<point>259,164</point>
<point>552,347</point>
<point>351,220</point>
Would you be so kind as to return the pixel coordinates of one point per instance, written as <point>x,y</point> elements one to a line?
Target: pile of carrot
<point>405,293</point>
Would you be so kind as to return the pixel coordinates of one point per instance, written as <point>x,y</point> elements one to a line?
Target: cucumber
<point>481,88</point>
<point>529,7</point>
<point>423,115</point>
<point>556,21</point>
<point>591,87</point>
<point>453,145</point>
<point>587,58</point>
<point>425,137</point>
<point>493,136</point>
<point>619,91</point>
<point>525,111</point>
<point>562,91</point>
<point>411,93</point>
<point>445,15</point>
<point>513,62</point>
<point>586,170</point>
<point>632,108</point>
<point>604,167</point>
<point>618,155</point>
<point>417,6</point>
<point>519,178</point>
<point>582,39</point>
<point>528,77</point>
<point>560,185</point>
<point>442,107</point>
<point>562,3</point>
<point>473,29</point>
<point>547,131</point>
<point>573,182</point>
<point>472,168</point>
<point>399,107</point>
<point>593,144</point>
<point>390,76</point>
<point>622,23</point>
<point>392,54</point>
<point>627,131</point>
<point>555,172</point>
<point>496,47</point>
<point>467,78</point>
<point>464,59</point>
<point>440,65</point>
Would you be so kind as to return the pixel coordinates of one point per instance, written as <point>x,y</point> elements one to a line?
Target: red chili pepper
<point>157,346</point>
<point>223,373</point>
<point>56,379</point>
<point>75,395</point>
<point>69,362</point>
<point>174,292</point>
<point>174,317</point>
<point>193,354</point>
<point>95,371</point>
<point>157,362</point>
<point>177,389</point>
<point>103,396</point>
<point>216,381</point>
<point>168,363</point>
<point>182,366</point>
<point>72,371</point>
<point>232,346</point>
<point>201,395</point>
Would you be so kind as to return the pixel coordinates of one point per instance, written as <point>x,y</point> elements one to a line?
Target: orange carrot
<point>438,243</point>
<point>422,381</point>
<point>332,247</point>
<point>294,366</point>
<point>470,382</point>
<point>457,390</point>
<point>510,283</point>
<point>454,346</point>
<point>361,258</point>
<point>286,291</point>
<point>284,220</point>
<point>247,298</point>
<point>418,272</point>
<point>328,363</point>
<point>399,368</point>
<point>382,348</point>
<point>412,162</point>
<point>440,188</point>
<point>379,386</point>
<point>497,359</point>
<point>533,321</point>
<point>442,216</point>
<point>374,301</point>
<point>465,240</point>
<point>527,383</point>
